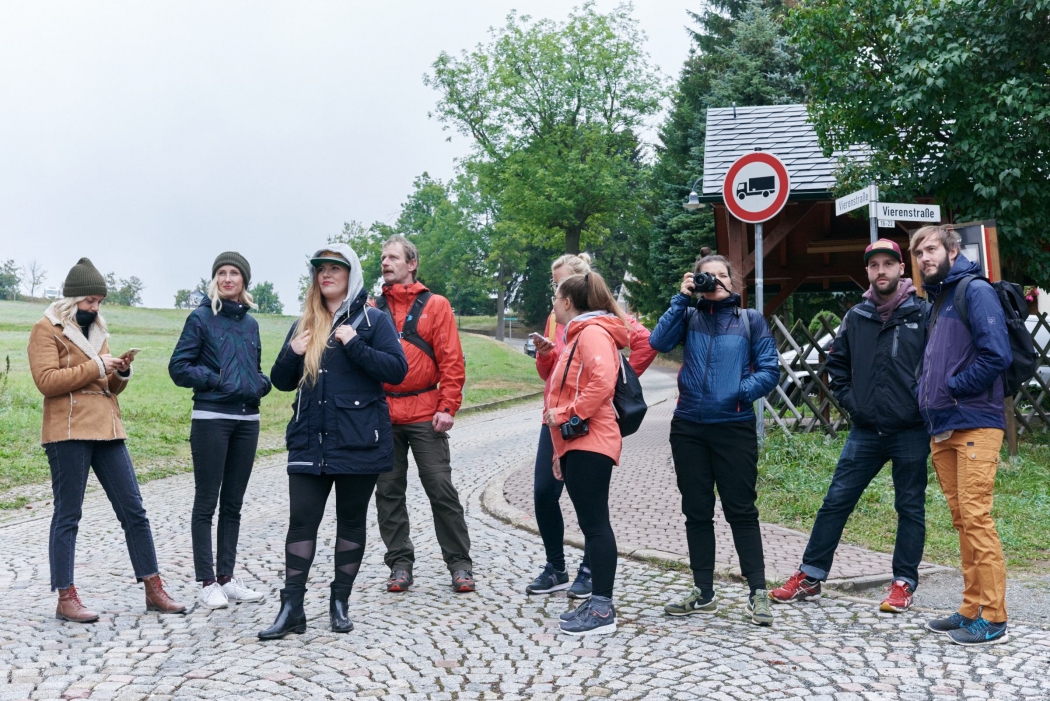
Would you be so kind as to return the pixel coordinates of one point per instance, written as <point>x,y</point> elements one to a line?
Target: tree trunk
<point>501,300</point>
<point>572,240</point>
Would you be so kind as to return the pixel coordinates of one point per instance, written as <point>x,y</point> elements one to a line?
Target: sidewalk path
<point>646,508</point>
<point>433,644</point>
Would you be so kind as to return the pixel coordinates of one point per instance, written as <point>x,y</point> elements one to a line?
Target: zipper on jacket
<point>703,378</point>
<point>896,336</point>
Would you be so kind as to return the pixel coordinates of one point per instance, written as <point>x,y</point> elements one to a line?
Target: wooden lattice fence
<point>803,402</point>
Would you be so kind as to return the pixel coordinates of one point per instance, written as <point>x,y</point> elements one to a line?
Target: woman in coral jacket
<point>584,432</point>
<point>546,489</point>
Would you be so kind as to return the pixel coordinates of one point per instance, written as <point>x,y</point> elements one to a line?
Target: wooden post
<point>992,239</point>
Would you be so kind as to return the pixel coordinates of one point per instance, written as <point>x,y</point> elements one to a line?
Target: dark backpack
<point>1011,298</point>
<point>409,332</point>
<point>628,402</point>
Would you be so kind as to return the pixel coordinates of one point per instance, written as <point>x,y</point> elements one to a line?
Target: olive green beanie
<point>84,280</point>
<point>236,260</point>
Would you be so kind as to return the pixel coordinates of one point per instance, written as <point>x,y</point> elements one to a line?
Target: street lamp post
<point>694,199</point>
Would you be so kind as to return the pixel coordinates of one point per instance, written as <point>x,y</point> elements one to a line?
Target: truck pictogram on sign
<point>756,186</point>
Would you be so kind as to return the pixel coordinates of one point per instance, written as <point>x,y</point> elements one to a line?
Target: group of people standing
<point>373,381</point>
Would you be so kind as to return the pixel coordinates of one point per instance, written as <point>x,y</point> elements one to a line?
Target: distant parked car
<point>530,347</point>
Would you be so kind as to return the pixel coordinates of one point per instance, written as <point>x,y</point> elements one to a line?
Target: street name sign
<point>756,187</point>
<point>908,212</point>
<point>852,201</point>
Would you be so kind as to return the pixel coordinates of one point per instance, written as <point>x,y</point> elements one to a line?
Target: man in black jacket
<point>872,366</point>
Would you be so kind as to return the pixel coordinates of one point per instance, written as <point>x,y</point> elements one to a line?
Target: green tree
<point>127,292</point>
<point>10,279</point>
<point>182,299</point>
<point>740,56</point>
<point>950,99</point>
<point>551,107</point>
<point>266,297</point>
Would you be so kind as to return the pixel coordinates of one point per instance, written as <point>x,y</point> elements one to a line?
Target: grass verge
<point>156,412</point>
<point>795,471</point>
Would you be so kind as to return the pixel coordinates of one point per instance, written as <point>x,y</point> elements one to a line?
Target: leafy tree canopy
<point>264,295</point>
<point>951,98</point>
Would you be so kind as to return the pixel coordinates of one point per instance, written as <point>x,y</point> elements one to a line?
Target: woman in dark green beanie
<point>72,367</point>
<point>218,356</point>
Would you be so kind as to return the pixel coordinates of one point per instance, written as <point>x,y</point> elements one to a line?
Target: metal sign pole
<point>760,421</point>
<point>873,210</point>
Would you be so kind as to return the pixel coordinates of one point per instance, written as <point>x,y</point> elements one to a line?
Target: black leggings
<point>587,476</point>
<point>307,496</point>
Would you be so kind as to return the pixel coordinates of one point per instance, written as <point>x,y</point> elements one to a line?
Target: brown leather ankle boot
<point>159,600</point>
<point>70,608</point>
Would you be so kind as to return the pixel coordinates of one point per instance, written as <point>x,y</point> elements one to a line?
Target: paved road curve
<point>433,644</point>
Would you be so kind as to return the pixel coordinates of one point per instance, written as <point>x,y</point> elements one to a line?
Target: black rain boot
<point>291,618</point>
<point>337,610</point>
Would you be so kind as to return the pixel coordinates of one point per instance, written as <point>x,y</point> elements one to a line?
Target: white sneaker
<point>236,592</point>
<point>213,596</point>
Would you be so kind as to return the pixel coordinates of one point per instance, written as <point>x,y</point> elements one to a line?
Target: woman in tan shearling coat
<point>80,380</point>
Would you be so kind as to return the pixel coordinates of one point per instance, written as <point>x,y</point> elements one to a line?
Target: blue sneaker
<point>598,619</point>
<point>581,588</point>
<point>569,615</point>
<point>549,580</point>
<point>980,632</point>
<point>955,621</point>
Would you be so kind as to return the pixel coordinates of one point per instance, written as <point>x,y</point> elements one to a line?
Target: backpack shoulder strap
<point>565,375</point>
<point>960,298</point>
<point>745,316</point>
<point>408,332</point>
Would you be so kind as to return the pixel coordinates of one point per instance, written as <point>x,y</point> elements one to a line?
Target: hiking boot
<point>598,619</point>
<point>549,580</point>
<point>980,632</point>
<point>239,594</point>
<point>463,581</point>
<point>71,609</point>
<point>947,625</point>
<point>157,599</point>
<point>291,618</point>
<point>400,580</point>
<point>759,608</point>
<point>581,588</point>
<point>694,602</point>
<point>899,598</point>
<point>799,587</point>
<point>213,596</point>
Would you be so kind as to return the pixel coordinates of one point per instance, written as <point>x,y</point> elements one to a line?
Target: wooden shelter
<point>807,248</point>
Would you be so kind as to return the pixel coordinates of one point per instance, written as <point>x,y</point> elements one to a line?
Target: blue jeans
<point>546,493</point>
<point>862,458</point>
<point>70,462</point>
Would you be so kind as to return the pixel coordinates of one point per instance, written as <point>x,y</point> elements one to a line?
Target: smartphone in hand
<point>130,354</point>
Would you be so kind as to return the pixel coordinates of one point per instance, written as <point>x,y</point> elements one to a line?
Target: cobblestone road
<point>433,644</point>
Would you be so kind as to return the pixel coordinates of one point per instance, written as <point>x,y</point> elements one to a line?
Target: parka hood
<point>610,322</point>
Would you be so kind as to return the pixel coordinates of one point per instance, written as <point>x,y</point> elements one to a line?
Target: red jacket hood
<point>404,293</point>
<point>609,322</point>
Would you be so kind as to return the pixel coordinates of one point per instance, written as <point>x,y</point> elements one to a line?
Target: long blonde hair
<point>66,311</point>
<point>216,298</point>
<point>318,321</point>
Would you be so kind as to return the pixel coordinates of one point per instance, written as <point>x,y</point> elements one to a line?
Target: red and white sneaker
<point>798,588</point>
<point>899,598</point>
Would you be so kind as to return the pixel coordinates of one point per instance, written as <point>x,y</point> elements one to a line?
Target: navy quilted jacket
<point>341,423</point>
<point>720,375</point>
<point>219,356</point>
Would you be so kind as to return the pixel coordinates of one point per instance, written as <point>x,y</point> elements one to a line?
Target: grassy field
<point>156,412</point>
<point>794,474</point>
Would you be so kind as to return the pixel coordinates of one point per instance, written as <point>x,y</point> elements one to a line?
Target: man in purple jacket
<point>960,395</point>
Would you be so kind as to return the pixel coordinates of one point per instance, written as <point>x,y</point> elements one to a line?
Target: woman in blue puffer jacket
<point>219,356</point>
<point>337,355</point>
<point>730,360</point>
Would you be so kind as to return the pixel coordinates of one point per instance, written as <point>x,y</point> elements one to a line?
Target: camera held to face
<point>574,428</point>
<point>705,282</point>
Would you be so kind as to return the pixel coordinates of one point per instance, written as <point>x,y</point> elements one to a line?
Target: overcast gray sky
<point>152,136</point>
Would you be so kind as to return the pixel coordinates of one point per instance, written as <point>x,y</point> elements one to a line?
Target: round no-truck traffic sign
<point>756,187</point>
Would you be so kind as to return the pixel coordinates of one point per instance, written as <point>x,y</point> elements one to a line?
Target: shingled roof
<point>783,130</point>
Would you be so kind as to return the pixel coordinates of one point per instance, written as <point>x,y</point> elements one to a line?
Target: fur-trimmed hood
<point>91,346</point>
